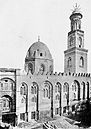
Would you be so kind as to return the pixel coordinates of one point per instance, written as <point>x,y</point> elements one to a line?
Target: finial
<point>38,38</point>
<point>76,8</point>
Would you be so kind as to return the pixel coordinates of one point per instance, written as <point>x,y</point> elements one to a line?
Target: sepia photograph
<point>45,59</point>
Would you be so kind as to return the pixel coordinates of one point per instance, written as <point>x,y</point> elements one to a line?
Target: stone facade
<point>38,92</point>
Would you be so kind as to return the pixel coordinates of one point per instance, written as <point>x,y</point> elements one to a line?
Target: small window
<point>80,42</point>
<point>46,92</point>
<point>42,68</point>
<point>69,63</point>
<point>41,54</point>
<point>32,90</point>
<point>81,62</point>
<point>6,80</point>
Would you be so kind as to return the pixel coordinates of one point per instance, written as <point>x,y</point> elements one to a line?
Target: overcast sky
<point>21,21</point>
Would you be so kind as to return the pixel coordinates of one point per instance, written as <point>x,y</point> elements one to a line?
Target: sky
<point>22,21</point>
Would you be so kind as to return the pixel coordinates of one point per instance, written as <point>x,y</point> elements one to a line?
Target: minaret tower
<point>75,55</point>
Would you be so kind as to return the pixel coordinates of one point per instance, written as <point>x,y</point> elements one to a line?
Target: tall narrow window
<point>30,66</point>
<point>46,92</point>
<point>80,42</point>
<point>69,63</point>
<point>81,62</point>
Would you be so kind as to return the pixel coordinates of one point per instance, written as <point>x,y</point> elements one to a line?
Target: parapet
<point>64,74</point>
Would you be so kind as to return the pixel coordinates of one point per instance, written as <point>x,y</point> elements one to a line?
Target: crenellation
<point>86,74</point>
<point>62,74</point>
<point>69,73</point>
<point>78,74</point>
<point>59,74</point>
<point>81,74</point>
<point>73,74</point>
<point>89,75</point>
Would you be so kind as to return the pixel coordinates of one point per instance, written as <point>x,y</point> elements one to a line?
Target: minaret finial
<point>38,38</point>
<point>76,5</point>
<point>76,8</point>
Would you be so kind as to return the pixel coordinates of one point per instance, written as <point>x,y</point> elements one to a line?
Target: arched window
<point>69,63</point>
<point>30,67</point>
<point>6,103</point>
<point>77,89</point>
<point>46,92</point>
<point>42,68</point>
<point>51,69</point>
<point>23,89</point>
<point>57,87</point>
<point>65,87</point>
<point>34,88</point>
<point>47,89</point>
<point>81,62</point>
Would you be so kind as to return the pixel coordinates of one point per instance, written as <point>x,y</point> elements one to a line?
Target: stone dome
<point>38,50</point>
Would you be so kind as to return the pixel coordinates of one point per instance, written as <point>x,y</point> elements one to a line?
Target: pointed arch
<point>59,91</point>
<point>81,61</point>
<point>78,87</point>
<point>48,85</point>
<point>66,90</point>
<point>7,99</point>
<point>69,63</point>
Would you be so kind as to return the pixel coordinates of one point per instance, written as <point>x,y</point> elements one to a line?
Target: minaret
<point>75,55</point>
